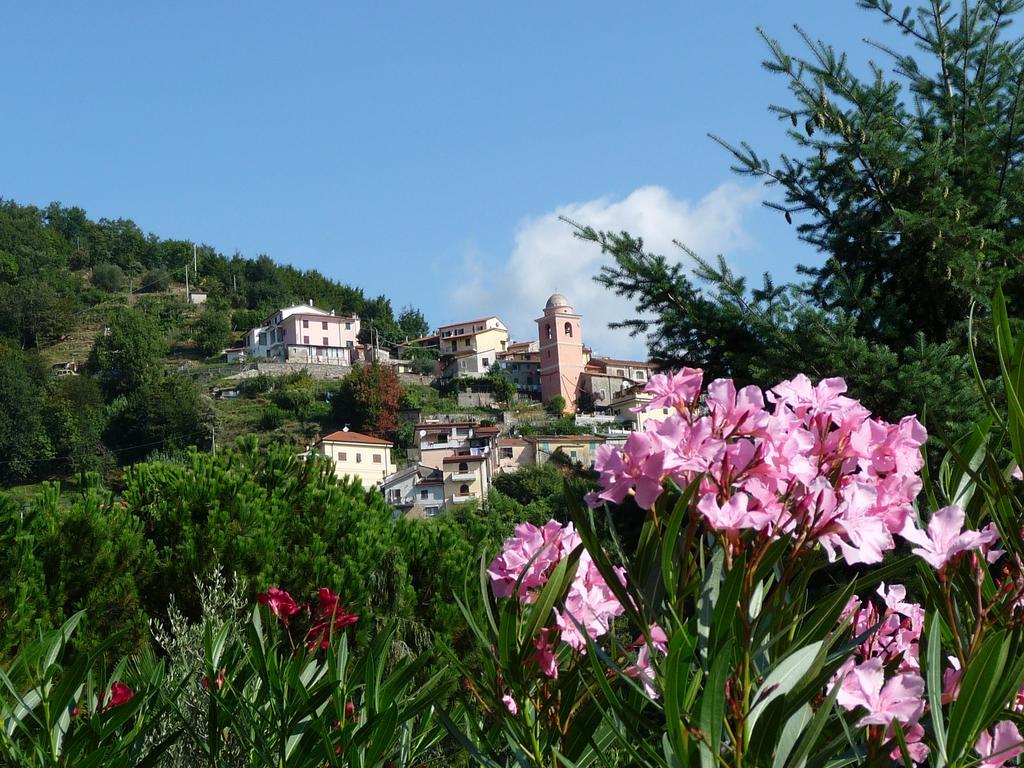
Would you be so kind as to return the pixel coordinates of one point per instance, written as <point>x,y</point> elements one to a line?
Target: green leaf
<point>786,675</point>
<point>712,704</point>
<point>980,679</point>
<point>934,682</point>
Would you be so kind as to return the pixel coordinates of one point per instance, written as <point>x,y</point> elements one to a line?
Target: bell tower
<point>561,351</point>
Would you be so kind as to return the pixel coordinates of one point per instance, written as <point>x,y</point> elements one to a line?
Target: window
<point>463,466</point>
<point>619,372</point>
<point>348,326</point>
<point>568,330</point>
<point>349,343</point>
<point>574,456</point>
<point>305,339</point>
<point>465,343</point>
<point>376,458</point>
<point>326,341</point>
<point>640,375</point>
<point>324,325</point>
<point>547,332</point>
<point>433,511</point>
<point>424,494</point>
<point>506,453</point>
<point>305,323</point>
<point>342,456</point>
<point>263,339</point>
<point>359,458</point>
<point>464,489</point>
<point>486,362</point>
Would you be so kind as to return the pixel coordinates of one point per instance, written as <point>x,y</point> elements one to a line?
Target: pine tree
<point>908,181</point>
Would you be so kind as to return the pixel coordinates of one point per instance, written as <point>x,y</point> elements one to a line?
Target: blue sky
<point>419,150</point>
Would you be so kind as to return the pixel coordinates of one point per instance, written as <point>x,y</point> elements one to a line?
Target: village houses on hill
<point>455,462</point>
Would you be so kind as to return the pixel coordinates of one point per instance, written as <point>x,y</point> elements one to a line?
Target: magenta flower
<point>545,655</point>
<point>674,390</point>
<point>740,412</point>
<point>1000,746</point>
<point>279,602</point>
<point>901,698</point>
<point>945,537</point>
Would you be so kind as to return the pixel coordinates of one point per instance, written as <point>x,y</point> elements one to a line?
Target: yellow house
<point>365,458</point>
<point>466,478</point>
<point>622,408</point>
<point>579,449</point>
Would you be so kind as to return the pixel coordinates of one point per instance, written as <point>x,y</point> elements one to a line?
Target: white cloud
<point>547,257</point>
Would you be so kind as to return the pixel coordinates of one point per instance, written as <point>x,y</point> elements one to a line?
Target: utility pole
<point>195,263</point>
<point>186,283</point>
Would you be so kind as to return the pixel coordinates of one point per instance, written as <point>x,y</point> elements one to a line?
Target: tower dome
<point>557,300</point>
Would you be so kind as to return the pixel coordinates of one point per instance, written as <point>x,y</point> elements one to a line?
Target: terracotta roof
<point>353,437</point>
<point>442,424</point>
<point>487,430</point>
<point>507,441</point>
<point>422,338</point>
<point>587,438</point>
<point>471,322</point>
<point>457,459</point>
<point>631,363</point>
<point>430,482</point>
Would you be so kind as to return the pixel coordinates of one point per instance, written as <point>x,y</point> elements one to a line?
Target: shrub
<point>272,417</point>
<point>108,277</point>
<point>155,280</point>
<point>555,406</point>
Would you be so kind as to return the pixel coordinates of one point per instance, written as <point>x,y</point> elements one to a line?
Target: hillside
<point>110,298</point>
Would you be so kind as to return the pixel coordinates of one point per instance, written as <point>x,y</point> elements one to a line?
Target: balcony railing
<point>462,498</point>
<point>467,475</point>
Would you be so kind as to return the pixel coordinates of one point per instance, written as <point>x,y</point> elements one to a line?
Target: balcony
<point>462,498</point>
<point>463,476</point>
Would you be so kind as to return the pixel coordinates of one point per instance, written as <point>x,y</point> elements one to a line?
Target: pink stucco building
<point>304,333</point>
<point>562,359</point>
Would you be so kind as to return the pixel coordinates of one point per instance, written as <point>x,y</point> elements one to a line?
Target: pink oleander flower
<point>1016,473</point>
<point>643,670</point>
<point>510,704</point>
<point>951,680</point>
<point>945,537</point>
<point>901,698</point>
<point>916,747</point>
<point>674,390</point>
<point>637,469</point>
<point>590,603</point>
<point>734,516</point>
<point>736,412</point>
<point>1000,746</point>
<point>534,551</point>
<point>279,602</point>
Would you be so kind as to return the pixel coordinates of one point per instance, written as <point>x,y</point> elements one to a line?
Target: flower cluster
<point>802,460</point>
<point>327,618</point>
<point>528,558</point>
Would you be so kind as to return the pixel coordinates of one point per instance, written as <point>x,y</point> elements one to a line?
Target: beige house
<point>470,348</point>
<point>365,458</point>
<point>466,479</point>
<point>513,453</point>
<point>623,409</point>
<point>579,449</point>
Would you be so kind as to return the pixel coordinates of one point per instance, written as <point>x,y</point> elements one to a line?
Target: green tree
<point>504,388</point>
<point>108,277</point>
<point>555,406</point>
<point>75,417</point>
<point>212,331</point>
<point>907,182</point>
<point>369,399</point>
<point>412,323</point>
<point>128,353</point>
<point>23,433</point>
<point>166,411</point>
